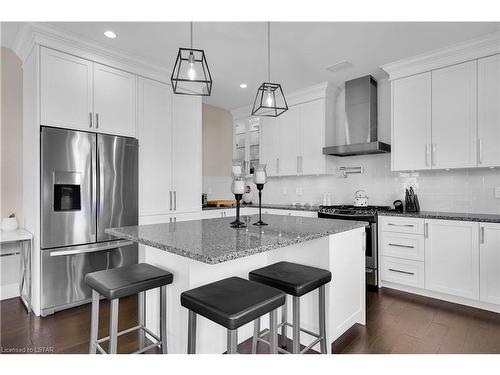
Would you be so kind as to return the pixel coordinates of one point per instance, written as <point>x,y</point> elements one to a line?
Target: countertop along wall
<point>463,190</point>
<point>11,134</point>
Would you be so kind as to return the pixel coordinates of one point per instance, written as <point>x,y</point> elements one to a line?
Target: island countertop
<point>213,241</point>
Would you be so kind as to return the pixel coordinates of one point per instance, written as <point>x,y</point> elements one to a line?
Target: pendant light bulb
<point>269,98</point>
<point>191,71</point>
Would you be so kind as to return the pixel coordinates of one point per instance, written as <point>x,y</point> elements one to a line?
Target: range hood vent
<point>360,120</point>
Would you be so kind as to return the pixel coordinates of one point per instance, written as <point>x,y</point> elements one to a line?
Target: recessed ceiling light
<point>338,66</point>
<point>243,86</point>
<point>110,34</point>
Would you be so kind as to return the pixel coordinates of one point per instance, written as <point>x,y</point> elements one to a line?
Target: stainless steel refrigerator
<point>89,182</point>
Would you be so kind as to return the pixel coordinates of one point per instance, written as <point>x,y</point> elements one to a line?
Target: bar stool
<point>232,302</point>
<point>121,282</point>
<point>296,280</point>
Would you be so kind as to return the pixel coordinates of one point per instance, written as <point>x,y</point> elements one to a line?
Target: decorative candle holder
<point>238,188</point>
<point>260,178</point>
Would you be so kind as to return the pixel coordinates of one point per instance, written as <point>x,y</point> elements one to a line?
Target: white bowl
<point>9,223</point>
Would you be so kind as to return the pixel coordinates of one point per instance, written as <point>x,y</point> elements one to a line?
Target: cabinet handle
<point>426,230</point>
<point>398,245</point>
<point>427,149</point>
<point>277,165</point>
<point>481,235</point>
<point>433,155</point>
<point>170,207</point>
<point>90,119</point>
<point>97,120</point>
<point>399,271</point>
<point>175,200</point>
<point>479,151</point>
<point>301,164</point>
<point>298,164</point>
<point>401,225</point>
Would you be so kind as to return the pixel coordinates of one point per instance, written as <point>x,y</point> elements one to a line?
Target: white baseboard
<point>9,291</point>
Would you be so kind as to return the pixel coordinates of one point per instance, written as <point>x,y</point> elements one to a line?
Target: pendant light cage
<point>269,100</point>
<point>191,75</point>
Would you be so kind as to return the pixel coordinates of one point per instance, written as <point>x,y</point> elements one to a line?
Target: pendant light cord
<point>269,51</point>
<point>191,26</point>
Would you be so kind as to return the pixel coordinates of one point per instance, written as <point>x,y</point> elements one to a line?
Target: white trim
<point>40,33</point>
<point>319,91</point>
<point>442,296</point>
<point>485,45</point>
<point>9,291</point>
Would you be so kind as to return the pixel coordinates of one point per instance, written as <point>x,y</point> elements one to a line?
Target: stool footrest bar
<point>311,345</point>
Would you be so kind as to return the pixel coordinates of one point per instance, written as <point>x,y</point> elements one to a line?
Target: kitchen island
<point>201,251</point>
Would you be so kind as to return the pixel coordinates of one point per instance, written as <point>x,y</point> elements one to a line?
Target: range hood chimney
<point>360,120</point>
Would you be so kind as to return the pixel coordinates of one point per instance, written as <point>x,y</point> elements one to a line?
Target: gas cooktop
<point>350,210</point>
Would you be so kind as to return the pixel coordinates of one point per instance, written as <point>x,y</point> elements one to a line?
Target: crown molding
<point>485,45</point>
<point>32,34</point>
<point>319,91</point>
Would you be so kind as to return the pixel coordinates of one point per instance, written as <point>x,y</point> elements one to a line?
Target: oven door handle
<point>93,249</point>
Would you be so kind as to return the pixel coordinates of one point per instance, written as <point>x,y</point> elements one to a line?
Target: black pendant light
<point>191,75</point>
<point>270,100</point>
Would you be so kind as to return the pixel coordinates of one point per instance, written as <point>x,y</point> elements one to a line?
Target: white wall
<point>465,190</point>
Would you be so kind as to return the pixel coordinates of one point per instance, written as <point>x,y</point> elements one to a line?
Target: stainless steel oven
<point>89,182</point>
<point>368,214</point>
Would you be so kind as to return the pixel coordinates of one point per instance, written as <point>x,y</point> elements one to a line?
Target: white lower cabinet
<point>452,258</point>
<point>403,271</point>
<point>489,263</point>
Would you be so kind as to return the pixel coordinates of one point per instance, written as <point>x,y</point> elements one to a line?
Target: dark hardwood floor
<point>397,322</point>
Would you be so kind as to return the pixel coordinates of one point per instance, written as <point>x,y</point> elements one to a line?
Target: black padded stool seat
<point>292,278</point>
<point>232,302</point>
<point>125,281</point>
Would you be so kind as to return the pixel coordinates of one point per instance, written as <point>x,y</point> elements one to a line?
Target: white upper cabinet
<point>452,258</point>
<point>80,94</point>
<point>312,137</point>
<point>411,122</point>
<point>186,149</point>
<point>155,152</point>
<point>288,155</point>
<point>114,101</point>
<point>488,115</point>
<point>270,144</point>
<point>489,256</point>
<point>66,90</point>
<point>454,95</point>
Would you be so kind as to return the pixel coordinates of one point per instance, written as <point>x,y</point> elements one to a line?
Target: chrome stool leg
<point>283,327</point>
<point>256,334</point>
<point>296,325</point>
<point>232,341</point>
<point>163,318</point>
<point>322,320</point>
<point>191,332</point>
<point>113,326</point>
<point>94,322</point>
<point>141,313</point>
<point>273,332</point>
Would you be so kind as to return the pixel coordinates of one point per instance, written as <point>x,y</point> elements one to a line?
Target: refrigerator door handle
<point>91,249</point>
<point>93,188</point>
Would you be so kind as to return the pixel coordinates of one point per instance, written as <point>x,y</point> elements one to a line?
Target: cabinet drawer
<point>402,245</point>
<point>402,271</point>
<point>401,224</point>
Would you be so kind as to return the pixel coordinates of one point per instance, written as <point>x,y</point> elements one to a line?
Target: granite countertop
<point>462,216</point>
<point>213,241</point>
<point>271,206</point>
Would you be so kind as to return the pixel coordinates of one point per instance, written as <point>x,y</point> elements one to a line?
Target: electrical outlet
<point>285,191</point>
<point>497,192</point>
<point>298,191</point>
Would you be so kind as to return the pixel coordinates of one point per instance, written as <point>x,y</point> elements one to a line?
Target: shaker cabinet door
<point>114,101</point>
<point>452,258</point>
<point>454,94</point>
<point>488,115</point>
<point>489,260</point>
<point>270,144</point>
<point>411,123</point>
<point>66,90</point>
<point>288,124</point>
<point>312,137</point>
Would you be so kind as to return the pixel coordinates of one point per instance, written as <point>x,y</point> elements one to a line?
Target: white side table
<point>25,240</point>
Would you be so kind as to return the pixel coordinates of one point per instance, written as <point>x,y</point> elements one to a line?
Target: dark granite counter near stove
<point>461,216</point>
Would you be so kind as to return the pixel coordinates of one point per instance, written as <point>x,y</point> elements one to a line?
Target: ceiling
<point>300,51</point>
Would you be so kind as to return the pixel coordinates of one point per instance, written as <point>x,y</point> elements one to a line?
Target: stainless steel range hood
<point>360,120</point>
